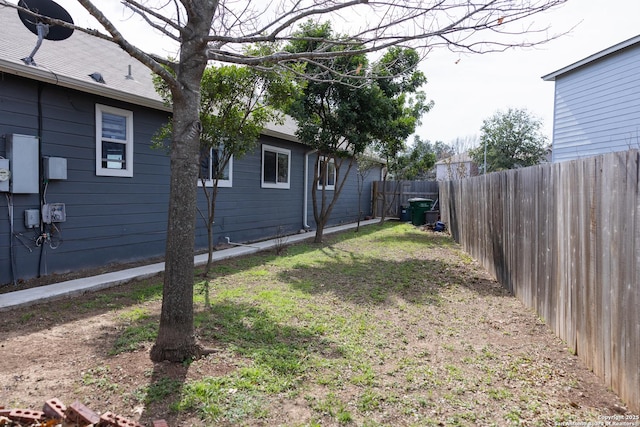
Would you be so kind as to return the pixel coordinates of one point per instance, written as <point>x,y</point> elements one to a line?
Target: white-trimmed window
<point>208,166</point>
<point>114,141</point>
<point>329,167</point>
<point>276,167</point>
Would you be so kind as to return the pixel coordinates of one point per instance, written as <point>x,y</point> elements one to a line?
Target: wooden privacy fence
<point>565,239</point>
<point>392,195</point>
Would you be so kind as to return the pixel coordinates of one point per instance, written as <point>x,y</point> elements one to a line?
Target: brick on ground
<point>26,416</point>
<point>54,408</point>
<point>109,419</point>
<point>81,415</point>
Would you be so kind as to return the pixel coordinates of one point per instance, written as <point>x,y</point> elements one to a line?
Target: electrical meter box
<point>54,168</point>
<point>22,151</point>
<point>31,218</point>
<point>5,174</point>
<point>53,212</point>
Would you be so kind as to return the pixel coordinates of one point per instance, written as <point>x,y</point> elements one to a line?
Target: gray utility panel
<point>22,151</point>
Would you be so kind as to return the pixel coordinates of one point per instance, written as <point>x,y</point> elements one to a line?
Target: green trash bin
<point>419,207</point>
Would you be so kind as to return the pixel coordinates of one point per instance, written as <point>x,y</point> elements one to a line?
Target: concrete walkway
<point>60,290</point>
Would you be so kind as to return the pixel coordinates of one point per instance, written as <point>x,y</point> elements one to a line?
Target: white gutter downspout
<point>306,190</point>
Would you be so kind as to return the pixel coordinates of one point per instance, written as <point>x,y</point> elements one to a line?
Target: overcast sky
<point>477,86</point>
<point>467,89</point>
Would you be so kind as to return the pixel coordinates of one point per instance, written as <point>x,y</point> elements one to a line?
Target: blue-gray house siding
<point>109,219</point>
<point>247,212</point>
<point>597,103</point>
<point>118,219</point>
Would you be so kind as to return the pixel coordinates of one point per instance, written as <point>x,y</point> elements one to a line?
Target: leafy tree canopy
<point>513,139</point>
<point>400,82</point>
<point>236,103</point>
<point>406,103</point>
<point>416,162</point>
<point>336,108</point>
<point>349,104</point>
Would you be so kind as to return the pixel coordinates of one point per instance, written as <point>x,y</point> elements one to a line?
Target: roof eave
<point>279,134</point>
<point>286,129</point>
<point>88,87</point>
<point>620,46</point>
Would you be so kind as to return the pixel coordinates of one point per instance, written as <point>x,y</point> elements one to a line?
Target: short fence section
<point>391,196</point>
<point>565,239</point>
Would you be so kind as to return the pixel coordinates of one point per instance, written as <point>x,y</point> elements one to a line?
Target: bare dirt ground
<point>62,349</point>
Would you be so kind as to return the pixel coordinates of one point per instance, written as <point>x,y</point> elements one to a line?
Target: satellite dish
<point>42,26</point>
<point>49,9</point>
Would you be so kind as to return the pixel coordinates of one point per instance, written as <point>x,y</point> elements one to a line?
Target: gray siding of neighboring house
<point>452,171</point>
<point>597,107</point>
<point>117,220</point>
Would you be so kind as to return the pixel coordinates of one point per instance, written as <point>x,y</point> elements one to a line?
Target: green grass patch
<point>231,397</point>
<point>134,336</point>
<point>25,317</point>
<point>157,391</point>
<point>100,378</point>
<point>135,314</point>
<point>101,301</point>
<point>370,401</point>
<point>294,317</point>
<point>499,393</point>
<point>368,328</point>
<point>152,292</point>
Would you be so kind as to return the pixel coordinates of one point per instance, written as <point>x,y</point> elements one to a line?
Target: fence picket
<point>565,239</point>
<point>397,194</point>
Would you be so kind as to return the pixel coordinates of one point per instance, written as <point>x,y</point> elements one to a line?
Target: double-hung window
<point>276,167</point>
<point>329,168</point>
<point>209,164</point>
<point>114,141</point>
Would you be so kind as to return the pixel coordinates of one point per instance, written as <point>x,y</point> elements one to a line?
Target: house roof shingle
<point>69,63</point>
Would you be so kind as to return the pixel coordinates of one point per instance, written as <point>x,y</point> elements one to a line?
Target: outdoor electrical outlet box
<point>22,151</point>
<point>54,168</point>
<point>5,174</point>
<point>31,218</point>
<point>53,212</point>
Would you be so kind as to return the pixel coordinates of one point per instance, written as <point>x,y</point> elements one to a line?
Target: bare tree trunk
<point>359,207</point>
<point>318,211</point>
<point>207,218</point>
<point>207,268</point>
<point>176,340</point>
<point>319,233</point>
<point>322,213</point>
<point>384,197</point>
<point>210,221</point>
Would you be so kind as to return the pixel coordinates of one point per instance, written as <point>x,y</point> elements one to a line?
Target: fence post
<point>565,238</point>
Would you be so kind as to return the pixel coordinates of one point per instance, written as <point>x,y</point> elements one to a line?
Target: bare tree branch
<point>452,24</point>
<point>456,25</point>
<point>143,12</point>
<point>118,38</point>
